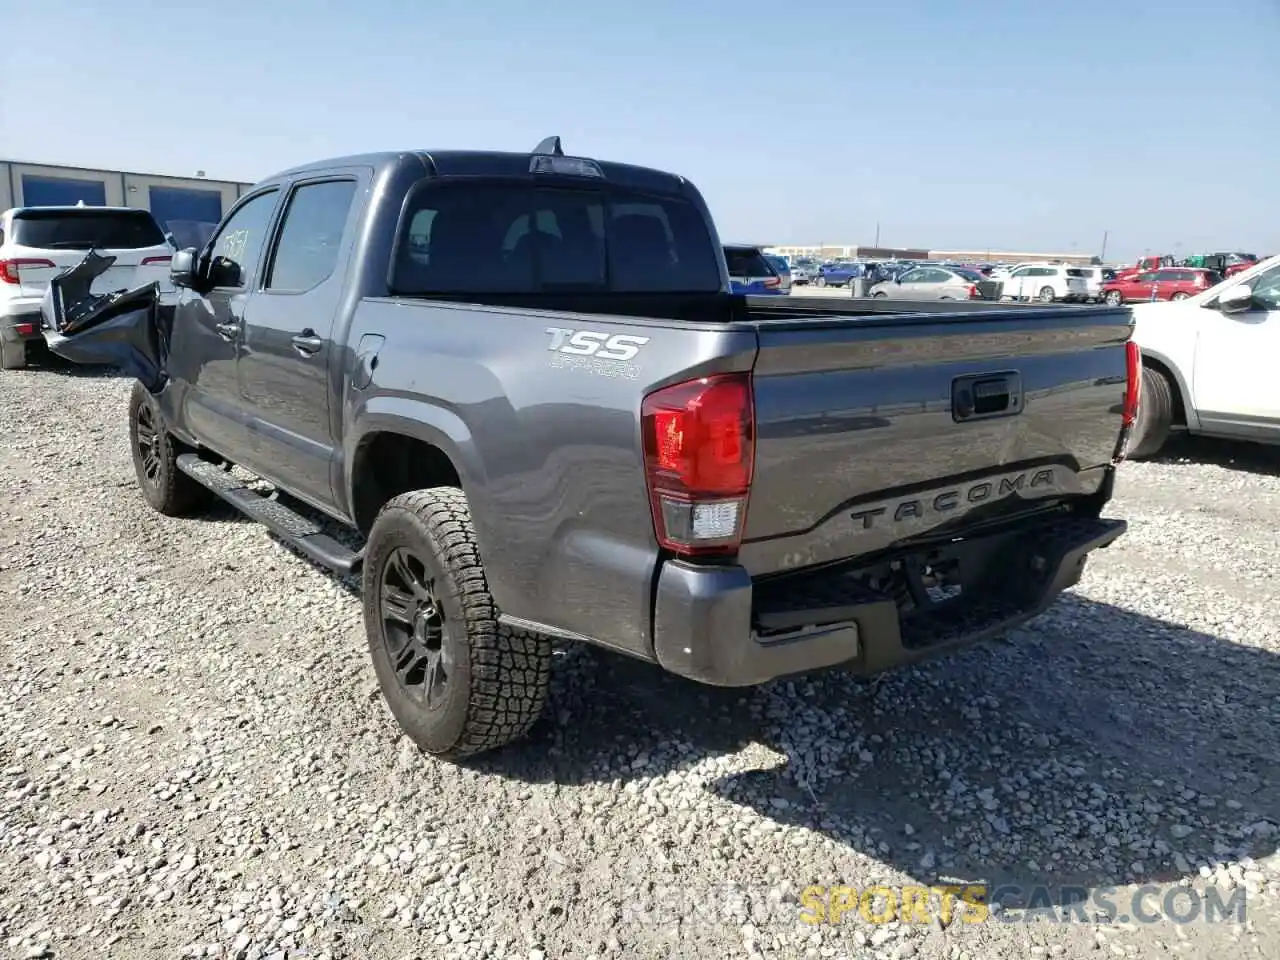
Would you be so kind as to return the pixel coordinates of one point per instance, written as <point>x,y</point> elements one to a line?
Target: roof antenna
<point>550,145</point>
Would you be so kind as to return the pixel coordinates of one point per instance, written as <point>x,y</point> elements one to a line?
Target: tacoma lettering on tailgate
<point>916,508</point>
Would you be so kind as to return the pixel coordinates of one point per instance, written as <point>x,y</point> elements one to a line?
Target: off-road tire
<point>1155,415</point>
<point>13,355</point>
<point>171,491</point>
<point>500,677</point>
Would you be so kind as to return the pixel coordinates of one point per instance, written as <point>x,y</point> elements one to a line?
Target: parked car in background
<point>803,270</point>
<point>1046,282</point>
<point>1209,362</point>
<point>38,243</point>
<point>783,268</point>
<point>937,283</point>
<point>750,271</point>
<point>838,273</point>
<point>1169,283</point>
<point>1093,279</point>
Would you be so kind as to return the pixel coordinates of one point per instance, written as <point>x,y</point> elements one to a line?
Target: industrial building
<point>828,251</point>
<point>187,207</point>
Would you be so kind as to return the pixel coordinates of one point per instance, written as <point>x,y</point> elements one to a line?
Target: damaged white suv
<point>38,243</point>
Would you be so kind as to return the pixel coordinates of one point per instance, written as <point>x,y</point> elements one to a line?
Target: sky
<point>988,124</point>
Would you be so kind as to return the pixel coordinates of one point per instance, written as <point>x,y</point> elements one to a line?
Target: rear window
<point>747,263</point>
<point>1078,272</point>
<point>971,275</point>
<point>515,238</point>
<point>778,263</point>
<point>81,229</point>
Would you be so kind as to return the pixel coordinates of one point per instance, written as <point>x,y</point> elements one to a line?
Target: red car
<point>1167,283</point>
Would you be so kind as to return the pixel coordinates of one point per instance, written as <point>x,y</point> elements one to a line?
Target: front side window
<point>238,245</point>
<point>494,238</point>
<point>311,235</point>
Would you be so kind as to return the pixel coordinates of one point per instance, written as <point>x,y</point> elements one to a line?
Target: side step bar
<point>288,525</point>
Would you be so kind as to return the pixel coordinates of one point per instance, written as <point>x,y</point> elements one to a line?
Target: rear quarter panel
<point>546,442</point>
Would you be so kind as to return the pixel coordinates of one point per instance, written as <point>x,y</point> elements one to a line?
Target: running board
<point>306,537</point>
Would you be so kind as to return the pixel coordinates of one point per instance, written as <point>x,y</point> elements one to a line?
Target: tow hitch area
<point>128,329</point>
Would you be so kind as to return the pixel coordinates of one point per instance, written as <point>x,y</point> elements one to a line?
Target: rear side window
<point>1078,272</point>
<point>85,228</point>
<point>746,263</point>
<point>514,238</point>
<point>311,235</point>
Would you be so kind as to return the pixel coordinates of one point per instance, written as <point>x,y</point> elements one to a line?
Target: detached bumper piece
<point>901,609</point>
<point>128,329</point>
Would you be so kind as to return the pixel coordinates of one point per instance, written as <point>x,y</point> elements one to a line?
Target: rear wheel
<point>1155,415</point>
<point>456,680</point>
<point>1046,295</point>
<point>155,456</point>
<point>879,295</point>
<point>13,355</point>
<point>1113,298</point>
<point>1180,296</point>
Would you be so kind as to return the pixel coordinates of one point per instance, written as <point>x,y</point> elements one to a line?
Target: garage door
<point>190,215</point>
<point>62,191</point>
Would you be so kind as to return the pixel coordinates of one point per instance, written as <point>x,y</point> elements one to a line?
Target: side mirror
<point>223,272</point>
<point>183,268</point>
<point>1237,299</point>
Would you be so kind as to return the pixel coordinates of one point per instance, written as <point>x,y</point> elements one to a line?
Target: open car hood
<point>128,329</point>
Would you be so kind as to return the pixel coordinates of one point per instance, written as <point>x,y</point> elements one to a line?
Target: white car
<point>1210,361</point>
<point>38,243</point>
<point>1047,282</point>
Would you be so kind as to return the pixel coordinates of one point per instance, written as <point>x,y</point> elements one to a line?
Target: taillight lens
<point>1133,382</point>
<point>973,292</point>
<point>1132,397</point>
<point>771,282</point>
<point>154,261</point>
<point>9,268</point>
<point>699,453</point>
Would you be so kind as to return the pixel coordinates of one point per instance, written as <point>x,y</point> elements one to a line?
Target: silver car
<point>936,283</point>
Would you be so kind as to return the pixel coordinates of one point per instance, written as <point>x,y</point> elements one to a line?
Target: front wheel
<point>1113,298</point>
<point>457,682</point>
<point>1180,296</point>
<point>155,454</point>
<point>879,295</point>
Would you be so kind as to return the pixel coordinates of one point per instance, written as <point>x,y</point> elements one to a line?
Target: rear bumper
<point>714,625</point>
<point>19,326</point>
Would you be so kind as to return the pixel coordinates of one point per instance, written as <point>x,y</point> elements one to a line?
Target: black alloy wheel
<point>414,628</point>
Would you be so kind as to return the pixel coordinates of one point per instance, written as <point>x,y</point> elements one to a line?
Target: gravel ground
<point>194,759</point>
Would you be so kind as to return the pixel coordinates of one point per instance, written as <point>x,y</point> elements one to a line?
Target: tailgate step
<point>289,525</point>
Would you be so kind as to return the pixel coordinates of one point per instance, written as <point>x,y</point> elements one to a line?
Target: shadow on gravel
<point>1099,747</point>
<point>1228,454</point>
<point>45,360</point>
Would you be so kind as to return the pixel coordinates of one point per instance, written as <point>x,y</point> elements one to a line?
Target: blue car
<point>838,274</point>
<point>750,271</point>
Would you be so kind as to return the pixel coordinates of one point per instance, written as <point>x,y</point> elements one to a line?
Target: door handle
<point>307,343</point>
<point>227,331</point>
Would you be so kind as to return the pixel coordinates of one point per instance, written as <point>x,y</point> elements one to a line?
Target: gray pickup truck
<point>521,379</point>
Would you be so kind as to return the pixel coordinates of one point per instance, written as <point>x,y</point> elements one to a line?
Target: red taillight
<point>973,292</point>
<point>772,282</point>
<point>1133,381</point>
<point>699,453</point>
<point>151,261</point>
<point>25,329</point>
<point>1132,397</point>
<point>9,268</point>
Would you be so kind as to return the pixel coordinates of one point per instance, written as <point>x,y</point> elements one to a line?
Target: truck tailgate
<point>876,430</point>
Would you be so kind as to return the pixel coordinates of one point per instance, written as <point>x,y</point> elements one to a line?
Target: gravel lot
<point>194,760</point>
